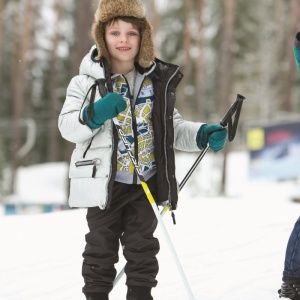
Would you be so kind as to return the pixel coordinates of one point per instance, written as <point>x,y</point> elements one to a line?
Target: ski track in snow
<point>230,248</point>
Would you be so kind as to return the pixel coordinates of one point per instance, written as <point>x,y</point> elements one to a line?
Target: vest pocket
<point>88,163</point>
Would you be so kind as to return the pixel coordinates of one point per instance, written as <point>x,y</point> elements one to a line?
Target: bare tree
<point>187,60</point>
<point>289,76</point>
<point>83,22</point>
<point>200,79</point>
<point>1,37</point>
<point>52,148</point>
<point>226,69</point>
<point>19,64</point>
<point>156,23</point>
<point>187,36</point>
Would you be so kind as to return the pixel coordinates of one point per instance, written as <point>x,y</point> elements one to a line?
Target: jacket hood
<point>90,66</point>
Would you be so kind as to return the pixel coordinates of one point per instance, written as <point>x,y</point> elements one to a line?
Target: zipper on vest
<point>165,140</point>
<point>134,126</point>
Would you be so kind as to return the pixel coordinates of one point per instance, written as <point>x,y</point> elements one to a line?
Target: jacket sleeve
<point>68,122</point>
<point>185,133</point>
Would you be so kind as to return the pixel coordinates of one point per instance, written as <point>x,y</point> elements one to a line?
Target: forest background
<point>223,47</point>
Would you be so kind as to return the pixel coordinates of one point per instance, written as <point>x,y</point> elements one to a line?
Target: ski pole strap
<point>91,90</point>
<point>235,109</point>
<point>101,85</point>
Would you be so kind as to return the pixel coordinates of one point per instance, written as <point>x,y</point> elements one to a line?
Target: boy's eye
<point>115,33</point>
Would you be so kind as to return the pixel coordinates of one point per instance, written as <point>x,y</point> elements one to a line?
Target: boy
<point>290,287</point>
<point>141,94</point>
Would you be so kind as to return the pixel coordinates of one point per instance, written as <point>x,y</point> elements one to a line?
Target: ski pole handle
<point>233,108</point>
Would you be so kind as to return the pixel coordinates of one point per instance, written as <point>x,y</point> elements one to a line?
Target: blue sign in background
<point>275,151</point>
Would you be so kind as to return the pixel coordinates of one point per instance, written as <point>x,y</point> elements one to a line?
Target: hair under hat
<point>110,9</point>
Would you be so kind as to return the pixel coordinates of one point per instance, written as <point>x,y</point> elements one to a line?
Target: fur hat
<point>109,9</point>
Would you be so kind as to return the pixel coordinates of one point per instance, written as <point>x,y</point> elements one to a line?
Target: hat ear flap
<point>98,33</point>
<point>146,54</point>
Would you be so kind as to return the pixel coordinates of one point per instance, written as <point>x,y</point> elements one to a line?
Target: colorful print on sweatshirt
<point>142,113</point>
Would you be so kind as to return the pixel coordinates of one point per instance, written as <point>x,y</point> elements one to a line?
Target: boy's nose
<point>124,38</point>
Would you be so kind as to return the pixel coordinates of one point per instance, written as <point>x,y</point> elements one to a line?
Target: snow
<point>41,184</point>
<point>230,248</point>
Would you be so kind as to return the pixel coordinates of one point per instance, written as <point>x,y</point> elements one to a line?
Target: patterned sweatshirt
<point>136,123</point>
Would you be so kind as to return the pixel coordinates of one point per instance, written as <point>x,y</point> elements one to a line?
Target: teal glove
<point>106,108</point>
<point>215,135</point>
<point>297,49</point>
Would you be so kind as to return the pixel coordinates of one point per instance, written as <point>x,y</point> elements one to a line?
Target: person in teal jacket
<point>290,287</point>
<point>297,49</point>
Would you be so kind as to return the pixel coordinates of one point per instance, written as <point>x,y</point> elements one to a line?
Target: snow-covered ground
<point>230,248</point>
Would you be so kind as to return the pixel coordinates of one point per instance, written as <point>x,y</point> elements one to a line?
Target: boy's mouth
<point>123,48</point>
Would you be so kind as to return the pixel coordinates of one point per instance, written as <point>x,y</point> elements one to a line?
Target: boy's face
<point>122,42</point>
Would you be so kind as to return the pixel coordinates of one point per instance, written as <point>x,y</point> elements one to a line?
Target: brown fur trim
<point>147,52</point>
<point>98,35</point>
<point>109,9</point>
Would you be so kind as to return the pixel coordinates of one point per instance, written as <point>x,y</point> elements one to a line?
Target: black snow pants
<point>131,220</point>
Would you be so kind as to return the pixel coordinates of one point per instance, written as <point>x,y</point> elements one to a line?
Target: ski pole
<point>194,166</point>
<point>235,108</point>
<point>122,272</point>
<point>154,206</point>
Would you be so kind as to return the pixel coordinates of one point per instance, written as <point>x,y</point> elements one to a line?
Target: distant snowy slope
<point>42,184</point>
